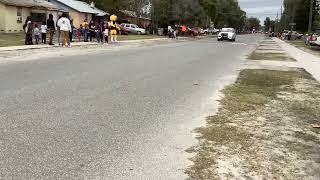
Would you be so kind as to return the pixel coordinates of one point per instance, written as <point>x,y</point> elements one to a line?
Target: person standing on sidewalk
<point>43,32</point>
<point>98,32</point>
<point>27,27</point>
<point>51,27</point>
<point>106,35</point>
<point>85,32</point>
<point>65,28</point>
<point>59,33</point>
<point>92,28</point>
<point>71,32</point>
<point>36,33</point>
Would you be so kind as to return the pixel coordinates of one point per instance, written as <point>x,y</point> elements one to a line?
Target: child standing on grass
<point>36,33</point>
<point>43,28</point>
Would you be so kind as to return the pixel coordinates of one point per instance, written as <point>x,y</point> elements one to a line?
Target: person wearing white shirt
<point>43,29</point>
<point>65,28</point>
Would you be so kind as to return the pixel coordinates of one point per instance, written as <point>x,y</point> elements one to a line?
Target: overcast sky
<point>261,8</point>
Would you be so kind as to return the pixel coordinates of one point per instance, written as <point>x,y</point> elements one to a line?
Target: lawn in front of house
<point>17,39</point>
<point>11,39</point>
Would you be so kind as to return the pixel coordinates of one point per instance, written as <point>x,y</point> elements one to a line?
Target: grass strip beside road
<point>17,39</point>
<point>315,50</point>
<point>137,37</point>
<point>11,39</point>
<point>274,56</point>
<point>262,129</point>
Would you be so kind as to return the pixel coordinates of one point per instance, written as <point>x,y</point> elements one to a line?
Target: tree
<point>297,11</point>
<point>267,24</point>
<point>253,22</point>
<point>190,12</point>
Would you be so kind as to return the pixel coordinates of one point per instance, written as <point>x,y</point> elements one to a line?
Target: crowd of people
<point>174,31</point>
<point>64,31</point>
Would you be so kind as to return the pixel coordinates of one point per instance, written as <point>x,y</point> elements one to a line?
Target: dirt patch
<point>274,56</point>
<point>262,129</point>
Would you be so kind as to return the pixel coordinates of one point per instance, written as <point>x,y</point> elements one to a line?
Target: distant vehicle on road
<point>227,34</point>
<point>133,28</point>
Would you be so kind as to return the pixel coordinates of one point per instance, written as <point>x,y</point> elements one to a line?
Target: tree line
<point>202,13</point>
<point>295,11</point>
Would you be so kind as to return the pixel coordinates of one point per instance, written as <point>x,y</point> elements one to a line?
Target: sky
<point>261,8</point>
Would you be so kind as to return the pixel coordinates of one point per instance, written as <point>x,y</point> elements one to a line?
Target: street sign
<point>292,24</point>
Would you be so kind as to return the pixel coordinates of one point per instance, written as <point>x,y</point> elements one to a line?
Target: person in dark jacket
<point>51,27</point>
<point>92,28</point>
<point>27,27</point>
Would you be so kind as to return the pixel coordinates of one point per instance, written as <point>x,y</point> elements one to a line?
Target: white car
<point>227,34</point>
<point>133,28</point>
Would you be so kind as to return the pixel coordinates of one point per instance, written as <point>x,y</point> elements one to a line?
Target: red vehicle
<point>195,31</point>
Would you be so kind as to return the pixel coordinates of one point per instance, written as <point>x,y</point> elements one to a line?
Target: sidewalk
<point>41,46</point>
<point>309,62</point>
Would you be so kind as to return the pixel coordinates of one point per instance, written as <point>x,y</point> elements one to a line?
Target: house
<point>79,11</point>
<point>15,12</point>
<point>132,17</point>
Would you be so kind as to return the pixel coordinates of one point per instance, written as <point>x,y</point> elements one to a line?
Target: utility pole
<point>281,20</point>
<point>310,16</point>
<point>277,24</point>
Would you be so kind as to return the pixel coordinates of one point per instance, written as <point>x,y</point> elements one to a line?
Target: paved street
<point>111,115</point>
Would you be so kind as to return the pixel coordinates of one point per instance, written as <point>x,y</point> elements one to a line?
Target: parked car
<point>133,28</point>
<point>202,31</point>
<point>211,31</point>
<point>124,31</point>
<point>195,31</point>
<point>207,31</point>
<point>313,39</point>
<point>227,34</point>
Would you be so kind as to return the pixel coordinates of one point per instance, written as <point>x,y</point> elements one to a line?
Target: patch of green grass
<point>270,56</point>
<point>315,50</point>
<point>254,88</point>
<point>136,37</point>
<point>17,39</point>
<point>268,42</point>
<point>307,109</point>
<point>226,135</point>
<point>11,39</point>
<point>297,43</point>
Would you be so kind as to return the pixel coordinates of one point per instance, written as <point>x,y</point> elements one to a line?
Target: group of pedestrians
<point>173,31</point>
<point>94,30</point>
<point>65,31</point>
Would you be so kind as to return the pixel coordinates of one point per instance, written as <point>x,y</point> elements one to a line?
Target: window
<point>19,14</point>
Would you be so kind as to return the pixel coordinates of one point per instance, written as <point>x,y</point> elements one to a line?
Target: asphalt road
<point>111,115</point>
